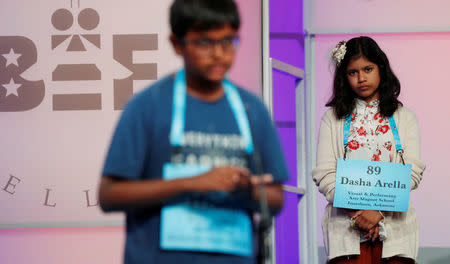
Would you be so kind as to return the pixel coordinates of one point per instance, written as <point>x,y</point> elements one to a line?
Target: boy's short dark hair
<point>202,15</point>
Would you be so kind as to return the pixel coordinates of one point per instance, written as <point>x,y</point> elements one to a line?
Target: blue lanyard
<point>398,144</point>
<point>179,111</point>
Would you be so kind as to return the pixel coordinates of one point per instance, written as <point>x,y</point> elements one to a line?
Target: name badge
<point>372,185</point>
<point>195,226</point>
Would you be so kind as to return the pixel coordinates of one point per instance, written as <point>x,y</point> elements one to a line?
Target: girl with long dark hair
<point>365,93</point>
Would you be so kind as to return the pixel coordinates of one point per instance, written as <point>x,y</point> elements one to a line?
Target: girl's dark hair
<point>202,15</point>
<point>343,99</point>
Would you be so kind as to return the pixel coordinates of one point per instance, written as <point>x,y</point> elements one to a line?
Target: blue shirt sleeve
<point>127,152</point>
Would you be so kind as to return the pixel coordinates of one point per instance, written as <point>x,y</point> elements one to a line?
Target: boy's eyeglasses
<point>205,46</point>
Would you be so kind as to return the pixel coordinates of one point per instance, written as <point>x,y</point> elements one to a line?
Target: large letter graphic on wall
<point>17,54</point>
<point>124,45</point>
<point>88,20</point>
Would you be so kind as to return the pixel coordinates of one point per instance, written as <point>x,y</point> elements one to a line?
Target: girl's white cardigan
<point>402,228</point>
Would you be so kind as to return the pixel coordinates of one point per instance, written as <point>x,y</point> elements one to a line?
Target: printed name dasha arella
<point>378,183</point>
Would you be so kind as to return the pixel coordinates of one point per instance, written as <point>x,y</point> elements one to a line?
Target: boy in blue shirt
<point>181,162</point>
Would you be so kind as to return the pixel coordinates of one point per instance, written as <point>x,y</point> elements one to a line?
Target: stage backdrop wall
<point>377,16</point>
<point>66,69</point>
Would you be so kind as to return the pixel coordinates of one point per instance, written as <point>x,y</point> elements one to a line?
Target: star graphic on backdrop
<point>11,57</point>
<point>11,87</point>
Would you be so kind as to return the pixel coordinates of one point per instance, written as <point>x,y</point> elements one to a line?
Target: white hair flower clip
<point>338,53</point>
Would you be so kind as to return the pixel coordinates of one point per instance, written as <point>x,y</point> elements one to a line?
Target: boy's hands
<point>228,179</point>
<point>225,178</point>
<point>261,179</point>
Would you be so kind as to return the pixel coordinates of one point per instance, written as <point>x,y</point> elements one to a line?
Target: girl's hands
<point>367,219</point>
<point>373,233</point>
<point>353,213</point>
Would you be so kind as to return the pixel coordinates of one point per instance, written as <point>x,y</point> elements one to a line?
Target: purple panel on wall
<point>286,32</point>
<point>283,97</point>
<point>286,16</point>
<point>290,50</point>
<point>286,45</point>
<point>289,143</point>
<point>286,230</point>
<point>286,223</point>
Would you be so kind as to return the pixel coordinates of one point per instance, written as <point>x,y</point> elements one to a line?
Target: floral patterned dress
<point>370,136</point>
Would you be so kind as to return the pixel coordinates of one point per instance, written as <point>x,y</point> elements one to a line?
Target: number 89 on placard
<point>373,170</point>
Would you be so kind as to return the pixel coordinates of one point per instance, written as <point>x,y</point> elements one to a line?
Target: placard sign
<point>372,185</point>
